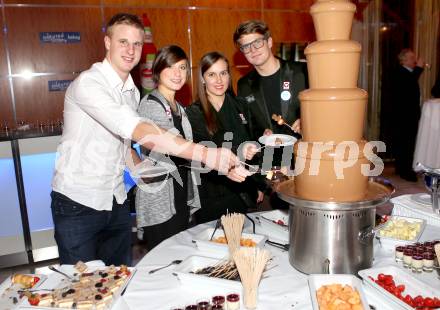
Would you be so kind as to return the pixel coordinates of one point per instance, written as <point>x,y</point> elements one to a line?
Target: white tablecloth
<point>282,288</point>
<point>427,149</point>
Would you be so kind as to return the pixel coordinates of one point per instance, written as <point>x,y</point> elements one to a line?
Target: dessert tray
<point>88,288</point>
<point>401,229</point>
<point>186,273</point>
<point>206,241</point>
<point>318,280</point>
<point>274,224</point>
<point>411,286</point>
<point>11,289</point>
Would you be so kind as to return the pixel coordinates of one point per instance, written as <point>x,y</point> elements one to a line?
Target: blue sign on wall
<point>60,37</point>
<point>59,85</point>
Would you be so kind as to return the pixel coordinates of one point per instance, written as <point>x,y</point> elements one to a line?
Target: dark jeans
<point>155,234</point>
<point>83,233</point>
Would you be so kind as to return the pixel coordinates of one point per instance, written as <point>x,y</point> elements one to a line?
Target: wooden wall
<point>198,26</point>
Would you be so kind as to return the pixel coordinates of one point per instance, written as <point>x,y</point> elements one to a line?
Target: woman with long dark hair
<point>217,116</point>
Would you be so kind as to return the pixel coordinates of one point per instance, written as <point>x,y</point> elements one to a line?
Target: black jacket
<point>406,100</point>
<point>249,88</point>
<point>230,118</point>
<point>435,91</point>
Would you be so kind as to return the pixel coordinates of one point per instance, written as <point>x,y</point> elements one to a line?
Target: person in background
<point>217,116</point>
<point>90,214</point>
<point>406,107</point>
<point>166,211</point>
<point>273,86</point>
<point>435,91</point>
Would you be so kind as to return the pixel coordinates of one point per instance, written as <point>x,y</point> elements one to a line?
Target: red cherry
<point>428,302</point>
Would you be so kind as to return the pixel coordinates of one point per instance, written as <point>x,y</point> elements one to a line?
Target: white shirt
<point>408,68</point>
<point>99,119</point>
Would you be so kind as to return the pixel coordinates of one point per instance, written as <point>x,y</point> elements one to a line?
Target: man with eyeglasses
<point>273,86</point>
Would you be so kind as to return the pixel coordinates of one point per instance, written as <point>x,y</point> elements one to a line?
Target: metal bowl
<point>379,190</point>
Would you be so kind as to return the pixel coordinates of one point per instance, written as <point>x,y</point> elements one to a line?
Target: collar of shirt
<point>115,80</point>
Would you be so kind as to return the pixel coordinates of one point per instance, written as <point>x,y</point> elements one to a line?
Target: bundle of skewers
<point>251,264</point>
<point>248,262</point>
<point>233,225</point>
<point>222,270</point>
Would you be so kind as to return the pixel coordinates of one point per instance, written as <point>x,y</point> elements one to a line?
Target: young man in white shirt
<point>89,212</point>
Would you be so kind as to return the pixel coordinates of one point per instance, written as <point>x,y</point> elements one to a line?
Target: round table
<point>427,149</point>
<point>282,288</point>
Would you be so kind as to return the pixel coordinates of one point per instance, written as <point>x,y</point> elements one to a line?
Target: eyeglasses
<point>257,43</point>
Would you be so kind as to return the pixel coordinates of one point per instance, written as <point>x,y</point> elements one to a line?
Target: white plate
<point>204,244</point>
<point>394,241</point>
<point>318,280</point>
<point>270,140</point>
<point>184,271</point>
<point>268,222</point>
<point>56,280</point>
<point>413,286</point>
<point>8,291</point>
<point>422,198</point>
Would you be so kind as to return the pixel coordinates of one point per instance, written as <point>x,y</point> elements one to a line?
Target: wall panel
<point>222,31</point>
<point>169,26</point>
<point>302,5</point>
<point>3,63</point>
<point>147,4</point>
<point>34,103</point>
<point>55,2</point>
<point>229,4</point>
<point>290,26</point>
<point>223,28</point>
<point>6,112</point>
<point>27,53</point>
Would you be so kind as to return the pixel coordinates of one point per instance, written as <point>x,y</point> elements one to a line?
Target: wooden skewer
<point>280,121</point>
<point>437,251</point>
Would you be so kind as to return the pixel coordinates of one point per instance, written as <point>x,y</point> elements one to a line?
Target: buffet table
<point>427,149</point>
<point>283,287</point>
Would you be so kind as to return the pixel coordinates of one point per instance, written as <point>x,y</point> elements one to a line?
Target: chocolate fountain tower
<point>332,212</point>
<point>333,109</point>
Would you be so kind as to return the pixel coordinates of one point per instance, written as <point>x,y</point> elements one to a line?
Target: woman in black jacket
<point>217,116</point>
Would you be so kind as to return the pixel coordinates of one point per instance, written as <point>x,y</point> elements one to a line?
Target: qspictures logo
<point>156,169</point>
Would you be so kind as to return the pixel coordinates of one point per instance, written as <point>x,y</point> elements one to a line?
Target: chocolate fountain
<point>332,208</point>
